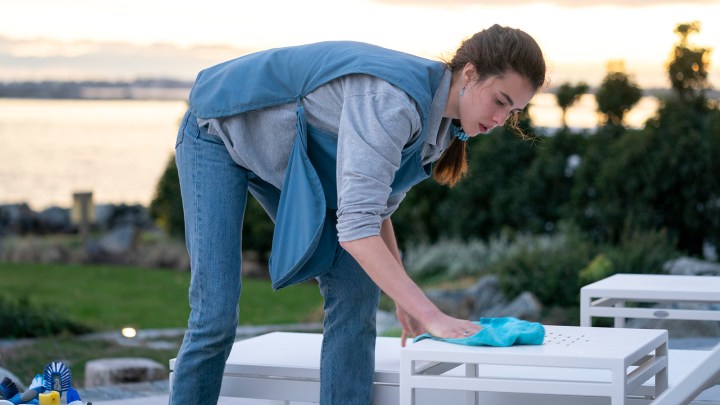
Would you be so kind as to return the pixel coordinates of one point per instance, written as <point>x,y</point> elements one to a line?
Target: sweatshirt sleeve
<point>376,122</point>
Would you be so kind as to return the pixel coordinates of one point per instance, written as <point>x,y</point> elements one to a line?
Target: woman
<point>328,137</point>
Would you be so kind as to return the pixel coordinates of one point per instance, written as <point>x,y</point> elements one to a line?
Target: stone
<point>688,266</point>
<point>102,372</point>
<point>487,295</point>
<point>386,321</point>
<point>115,244</point>
<point>55,220</point>
<point>525,306</point>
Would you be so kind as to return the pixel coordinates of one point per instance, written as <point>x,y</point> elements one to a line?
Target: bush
<point>166,208</point>
<point>167,211</point>
<point>20,318</point>
<point>547,266</point>
<point>450,259</point>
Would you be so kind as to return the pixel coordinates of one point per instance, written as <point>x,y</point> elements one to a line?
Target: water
<point>118,149</point>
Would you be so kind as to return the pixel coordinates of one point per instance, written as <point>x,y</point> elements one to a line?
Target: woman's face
<point>488,103</point>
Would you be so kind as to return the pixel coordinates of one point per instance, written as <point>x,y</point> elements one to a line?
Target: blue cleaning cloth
<point>500,332</point>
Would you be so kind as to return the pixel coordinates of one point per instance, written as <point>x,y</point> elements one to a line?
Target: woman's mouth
<point>482,128</point>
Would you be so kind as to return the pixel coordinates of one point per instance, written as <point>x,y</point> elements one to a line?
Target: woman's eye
<point>498,102</point>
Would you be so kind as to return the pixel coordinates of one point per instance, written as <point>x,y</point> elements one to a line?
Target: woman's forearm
<point>380,258</point>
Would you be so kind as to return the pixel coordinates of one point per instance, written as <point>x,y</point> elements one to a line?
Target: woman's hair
<point>492,51</point>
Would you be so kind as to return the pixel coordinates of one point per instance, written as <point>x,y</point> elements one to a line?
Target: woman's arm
<point>380,258</point>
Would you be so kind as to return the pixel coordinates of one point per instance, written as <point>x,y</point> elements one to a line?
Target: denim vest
<point>305,240</point>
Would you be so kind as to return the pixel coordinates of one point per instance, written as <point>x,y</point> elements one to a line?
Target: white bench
<point>283,367</point>
<point>608,297</point>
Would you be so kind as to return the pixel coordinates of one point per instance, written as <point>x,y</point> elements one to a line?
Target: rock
<point>18,219</point>
<point>55,220</point>
<point>386,321</point>
<point>114,244</point>
<point>485,299</point>
<point>689,266</point>
<point>103,372</point>
<point>487,295</point>
<point>525,306</point>
<point>458,303</point>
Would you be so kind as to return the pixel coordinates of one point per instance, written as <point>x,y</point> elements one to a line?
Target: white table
<point>285,366</point>
<point>608,297</point>
<point>572,361</point>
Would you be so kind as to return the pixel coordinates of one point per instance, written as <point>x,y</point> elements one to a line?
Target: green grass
<point>111,297</point>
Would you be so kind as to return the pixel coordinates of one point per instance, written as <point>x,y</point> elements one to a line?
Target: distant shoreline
<point>147,89</point>
<point>157,89</point>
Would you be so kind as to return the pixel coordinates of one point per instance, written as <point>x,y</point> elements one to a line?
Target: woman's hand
<point>410,325</point>
<point>441,326</point>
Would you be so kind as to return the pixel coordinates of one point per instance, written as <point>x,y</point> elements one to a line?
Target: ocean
<point>118,149</point>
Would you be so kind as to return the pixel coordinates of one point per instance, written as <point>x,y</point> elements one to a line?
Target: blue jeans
<point>214,192</point>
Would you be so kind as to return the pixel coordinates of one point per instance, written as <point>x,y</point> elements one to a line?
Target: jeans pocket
<point>181,131</point>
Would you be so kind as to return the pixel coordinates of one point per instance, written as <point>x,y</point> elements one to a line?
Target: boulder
<point>102,372</point>
<point>484,299</point>
<point>688,266</point>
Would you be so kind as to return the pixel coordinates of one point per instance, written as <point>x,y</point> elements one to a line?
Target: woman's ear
<point>469,74</point>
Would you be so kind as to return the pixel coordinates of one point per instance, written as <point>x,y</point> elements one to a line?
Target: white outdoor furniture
<point>281,367</point>
<point>704,375</point>
<point>285,366</point>
<point>607,297</point>
<point>573,361</point>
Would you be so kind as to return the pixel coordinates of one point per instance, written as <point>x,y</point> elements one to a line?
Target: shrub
<point>166,208</point>
<point>450,259</point>
<point>20,318</point>
<point>547,266</point>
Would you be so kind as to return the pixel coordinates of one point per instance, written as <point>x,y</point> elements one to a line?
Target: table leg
<point>471,397</point>
<point>406,391</point>
<point>585,303</point>
<point>619,382</point>
<point>661,378</point>
<point>619,321</point>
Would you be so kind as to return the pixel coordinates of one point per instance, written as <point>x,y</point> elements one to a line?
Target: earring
<point>462,91</point>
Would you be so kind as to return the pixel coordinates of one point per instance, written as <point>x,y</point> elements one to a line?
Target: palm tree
<point>567,95</point>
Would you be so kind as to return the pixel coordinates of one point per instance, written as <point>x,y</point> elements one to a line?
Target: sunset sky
<point>91,39</point>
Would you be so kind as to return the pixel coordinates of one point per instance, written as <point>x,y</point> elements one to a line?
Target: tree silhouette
<point>616,95</point>
<point>688,68</point>
<point>567,95</point>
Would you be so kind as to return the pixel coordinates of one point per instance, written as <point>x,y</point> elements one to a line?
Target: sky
<point>129,39</point>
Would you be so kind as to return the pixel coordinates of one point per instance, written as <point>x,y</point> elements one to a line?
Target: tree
<point>166,207</point>
<point>688,69</point>
<point>567,95</point>
<point>616,96</point>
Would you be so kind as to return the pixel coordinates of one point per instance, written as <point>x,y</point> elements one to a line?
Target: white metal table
<point>608,297</point>
<point>572,361</point>
<point>285,366</point>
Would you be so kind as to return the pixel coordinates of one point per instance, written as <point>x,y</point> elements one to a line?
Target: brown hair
<point>492,51</point>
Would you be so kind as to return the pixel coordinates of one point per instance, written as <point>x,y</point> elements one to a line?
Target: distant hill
<point>145,89</point>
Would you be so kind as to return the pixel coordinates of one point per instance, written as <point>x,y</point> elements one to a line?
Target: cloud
<point>47,59</point>
<point>561,3</point>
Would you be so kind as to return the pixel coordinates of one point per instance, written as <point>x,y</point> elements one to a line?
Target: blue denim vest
<point>305,240</point>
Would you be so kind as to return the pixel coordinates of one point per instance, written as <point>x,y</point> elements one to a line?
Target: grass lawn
<point>109,297</point>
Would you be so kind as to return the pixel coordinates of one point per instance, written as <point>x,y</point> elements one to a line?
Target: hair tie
<point>459,133</point>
